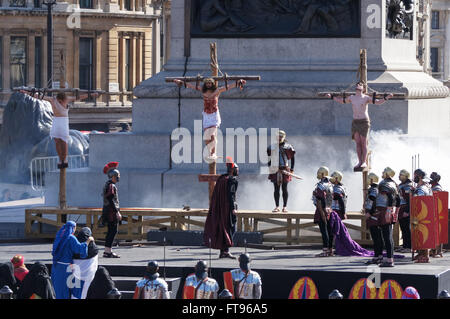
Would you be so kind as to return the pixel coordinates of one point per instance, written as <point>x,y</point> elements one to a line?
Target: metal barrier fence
<point>39,166</point>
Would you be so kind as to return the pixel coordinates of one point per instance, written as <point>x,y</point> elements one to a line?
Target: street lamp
<point>49,4</point>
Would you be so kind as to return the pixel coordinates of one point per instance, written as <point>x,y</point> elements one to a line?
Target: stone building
<point>440,40</point>
<point>109,45</point>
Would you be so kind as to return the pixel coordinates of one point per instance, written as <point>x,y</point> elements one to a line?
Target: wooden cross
<point>362,72</point>
<point>212,177</point>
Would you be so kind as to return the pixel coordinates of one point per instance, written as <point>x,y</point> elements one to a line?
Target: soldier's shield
<point>189,292</point>
<point>441,204</point>
<point>390,289</point>
<point>423,223</point>
<point>304,288</point>
<point>363,289</point>
<point>228,282</point>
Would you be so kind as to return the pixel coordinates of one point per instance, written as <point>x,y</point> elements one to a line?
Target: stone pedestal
<point>292,71</point>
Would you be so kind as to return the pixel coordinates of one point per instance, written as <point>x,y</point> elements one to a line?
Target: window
<point>18,61</point>
<point>434,59</point>
<point>127,65</point>
<point>38,62</point>
<point>435,20</point>
<point>127,4</point>
<point>1,61</point>
<point>86,4</point>
<point>37,3</point>
<point>86,67</point>
<point>17,3</point>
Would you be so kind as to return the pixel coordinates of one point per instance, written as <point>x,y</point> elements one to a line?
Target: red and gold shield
<point>363,289</point>
<point>423,223</point>
<point>390,289</point>
<point>304,288</point>
<point>189,292</point>
<point>228,282</point>
<point>441,204</point>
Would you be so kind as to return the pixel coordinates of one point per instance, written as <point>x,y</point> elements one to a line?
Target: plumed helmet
<point>435,177</point>
<point>336,177</point>
<point>372,178</point>
<point>444,295</point>
<point>403,175</point>
<point>419,172</point>
<point>388,173</point>
<point>410,293</point>
<point>111,170</point>
<point>335,294</point>
<point>322,172</point>
<point>152,267</point>
<point>232,166</point>
<point>282,135</point>
<point>225,294</point>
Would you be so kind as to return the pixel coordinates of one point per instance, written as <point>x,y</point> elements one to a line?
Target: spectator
<point>37,284</point>
<point>64,247</point>
<point>86,267</point>
<point>125,127</point>
<point>6,196</point>
<point>20,270</point>
<point>101,285</point>
<point>7,276</point>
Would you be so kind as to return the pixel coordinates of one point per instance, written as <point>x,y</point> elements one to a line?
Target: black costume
<point>37,284</point>
<point>404,213</point>
<point>7,276</point>
<point>100,285</point>
<point>279,180</point>
<point>82,237</point>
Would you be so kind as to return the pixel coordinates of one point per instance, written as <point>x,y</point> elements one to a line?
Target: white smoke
<point>388,148</point>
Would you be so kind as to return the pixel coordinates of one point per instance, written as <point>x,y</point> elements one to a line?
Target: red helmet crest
<point>109,166</point>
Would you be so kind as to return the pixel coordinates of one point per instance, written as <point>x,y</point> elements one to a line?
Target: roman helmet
<point>403,175</point>
<point>244,261</point>
<point>372,178</point>
<point>419,174</point>
<point>388,173</point>
<point>201,270</point>
<point>281,136</point>
<point>336,177</point>
<point>322,172</point>
<point>335,294</point>
<point>435,177</point>
<point>111,170</point>
<point>232,167</point>
<point>152,267</point>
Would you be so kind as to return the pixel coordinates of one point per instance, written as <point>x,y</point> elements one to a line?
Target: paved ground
<point>183,256</point>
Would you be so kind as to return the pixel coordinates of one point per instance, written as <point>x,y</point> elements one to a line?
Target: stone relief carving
<point>275,18</point>
<point>399,18</point>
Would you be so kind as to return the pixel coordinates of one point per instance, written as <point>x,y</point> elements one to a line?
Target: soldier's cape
<point>220,223</point>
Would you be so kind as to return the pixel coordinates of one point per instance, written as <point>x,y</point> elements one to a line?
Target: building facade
<point>440,40</point>
<point>109,45</point>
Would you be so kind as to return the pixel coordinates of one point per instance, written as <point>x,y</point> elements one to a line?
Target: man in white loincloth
<point>361,120</point>
<point>60,125</point>
<point>211,114</point>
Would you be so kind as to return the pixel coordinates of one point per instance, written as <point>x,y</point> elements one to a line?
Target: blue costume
<point>64,247</point>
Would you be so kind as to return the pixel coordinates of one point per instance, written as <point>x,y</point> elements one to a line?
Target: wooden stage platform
<point>287,228</point>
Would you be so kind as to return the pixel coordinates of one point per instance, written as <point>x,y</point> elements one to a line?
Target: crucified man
<point>361,120</point>
<point>211,114</point>
<point>60,125</point>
